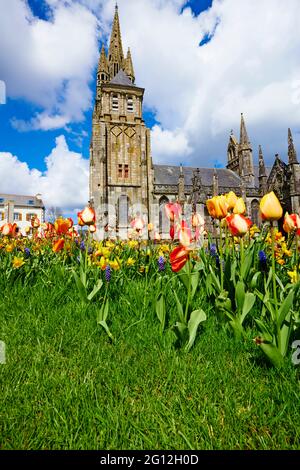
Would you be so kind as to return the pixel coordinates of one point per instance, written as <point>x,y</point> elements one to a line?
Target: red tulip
<point>178,258</point>
<point>238,224</point>
<point>291,223</point>
<point>62,226</point>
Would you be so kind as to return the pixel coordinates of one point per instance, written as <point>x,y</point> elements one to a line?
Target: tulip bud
<point>270,207</point>
<point>291,222</point>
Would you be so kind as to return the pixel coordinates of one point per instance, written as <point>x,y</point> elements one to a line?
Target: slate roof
<point>19,200</point>
<point>121,79</point>
<point>168,175</point>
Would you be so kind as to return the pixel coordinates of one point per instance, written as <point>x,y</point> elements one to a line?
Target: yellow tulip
<point>217,207</point>
<point>270,207</point>
<point>231,199</point>
<point>239,207</point>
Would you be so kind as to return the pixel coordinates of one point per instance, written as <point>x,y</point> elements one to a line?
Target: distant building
<point>123,176</point>
<point>20,209</point>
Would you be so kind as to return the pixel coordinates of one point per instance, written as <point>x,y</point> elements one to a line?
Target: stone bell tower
<point>121,184</point>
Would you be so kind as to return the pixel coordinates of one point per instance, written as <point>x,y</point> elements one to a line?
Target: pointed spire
<point>244,140</point>
<point>103,65</point>
<point>261,163</point>
<point>292,154</point>
<point>129,66</point>
<point>115,53</point>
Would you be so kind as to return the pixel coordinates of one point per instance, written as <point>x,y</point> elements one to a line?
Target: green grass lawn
<point>66,386</point>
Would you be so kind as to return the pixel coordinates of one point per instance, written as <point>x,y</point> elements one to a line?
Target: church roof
<point>168,175</point>
<point>121,79</point>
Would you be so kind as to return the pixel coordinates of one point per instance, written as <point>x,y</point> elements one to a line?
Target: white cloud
<point>49,63</point>
<point>170,145</point>
<point>250,65</point>
<point>64,183</point>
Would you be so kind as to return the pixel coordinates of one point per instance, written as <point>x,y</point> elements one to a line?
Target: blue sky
<point>201,62</point>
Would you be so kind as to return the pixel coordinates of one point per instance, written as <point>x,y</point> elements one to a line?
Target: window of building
<point>115,103</point>
<point>17,216</point>
<point>130,104</point>
<point>126,171</point>
<point>30,216</point>
<point>120,171</point>
<point>102,76</point>
<point>1,200</point>
<point>31,202</point>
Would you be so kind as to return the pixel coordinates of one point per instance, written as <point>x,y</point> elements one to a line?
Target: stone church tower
<point>120,154</point>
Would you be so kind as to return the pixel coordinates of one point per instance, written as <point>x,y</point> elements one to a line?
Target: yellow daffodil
<point>18,262</point>
<point>115,264</point>
<point>130,262</point>
<point>293,275</point>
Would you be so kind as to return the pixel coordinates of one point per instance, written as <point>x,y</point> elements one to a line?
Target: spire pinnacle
<point>244,140</point>
<point>261,162</point>
<point>292,154</point>
<point>103,66</point>
<point>129,66</point>
<point>115,53</point>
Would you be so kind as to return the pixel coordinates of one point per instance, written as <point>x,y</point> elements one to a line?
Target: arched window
<point>164,225</point>
<point>255,211</point>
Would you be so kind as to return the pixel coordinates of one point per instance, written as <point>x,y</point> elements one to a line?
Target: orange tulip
<point>62,226</point>
<point>150,227</point>
<point>58,246</point>
<point>173,211</point>
<point>238,224</point>
<point>178,258</point>
<point>87,216</point>
<point>231,199</point>
<point>9,230</point>
<point>291,222</point>
<point>239,207</point>
<point>270,207</point>
<point>217,207</point>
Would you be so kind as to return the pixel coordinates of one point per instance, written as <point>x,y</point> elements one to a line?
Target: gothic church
<point>125,183</point>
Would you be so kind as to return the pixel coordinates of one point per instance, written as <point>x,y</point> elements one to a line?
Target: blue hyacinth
<point>82,246</point>
<point>27,252</point>
<point>161,263</point>
<point>108,273</point>
<point>262,260</point>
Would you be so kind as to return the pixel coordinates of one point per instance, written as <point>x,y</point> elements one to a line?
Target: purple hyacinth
<point>213,250</point>
<point>82,246</point>
<point>161,263</point>
<point>90,250</point>
<point>262,260</point>
<point>27,252</point>
<point>108,273</point>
